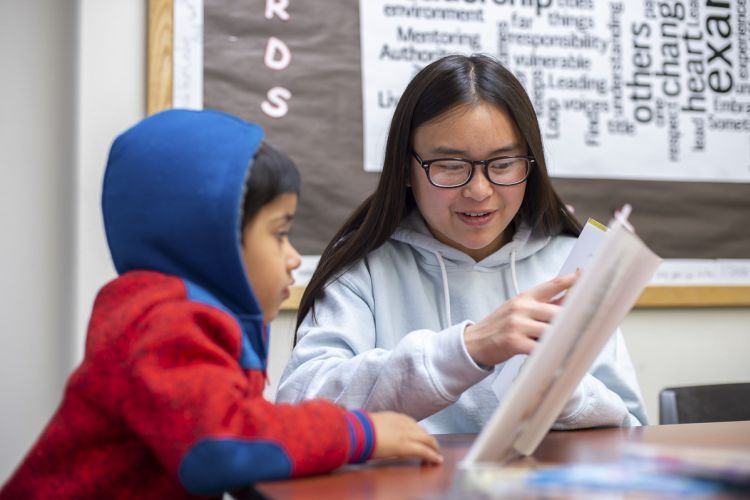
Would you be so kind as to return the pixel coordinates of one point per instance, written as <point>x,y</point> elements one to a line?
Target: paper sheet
<point>607,289</point>
<point>588,241</point>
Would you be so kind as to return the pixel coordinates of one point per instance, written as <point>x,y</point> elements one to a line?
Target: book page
<point>584,248</point>
<point>607,289</point>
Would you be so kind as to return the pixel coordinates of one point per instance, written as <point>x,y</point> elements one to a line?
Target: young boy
<point>168,399</point>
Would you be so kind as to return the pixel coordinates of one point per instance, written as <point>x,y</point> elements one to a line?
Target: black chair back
<point>704,403</point>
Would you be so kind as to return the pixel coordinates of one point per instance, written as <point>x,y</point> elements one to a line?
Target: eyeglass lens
<point>500,171</point>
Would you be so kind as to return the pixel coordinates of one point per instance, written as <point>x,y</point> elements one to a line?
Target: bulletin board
<point>302,79</point>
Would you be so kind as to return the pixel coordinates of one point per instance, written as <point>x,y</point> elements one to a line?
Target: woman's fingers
<point>544,312</point>
<point>548,290</point>
<point>514,327</point>
<point>525,345</point>
<point>530,328</point>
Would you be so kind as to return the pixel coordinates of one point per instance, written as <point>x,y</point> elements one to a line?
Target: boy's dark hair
<point>272,173</point>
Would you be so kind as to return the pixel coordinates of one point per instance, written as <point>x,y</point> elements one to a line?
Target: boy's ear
<point>243,230</point>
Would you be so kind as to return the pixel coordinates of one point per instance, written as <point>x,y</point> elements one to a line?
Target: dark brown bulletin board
<point>678,219</point>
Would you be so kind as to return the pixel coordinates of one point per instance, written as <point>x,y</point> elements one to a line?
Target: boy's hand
<point>398,435</point>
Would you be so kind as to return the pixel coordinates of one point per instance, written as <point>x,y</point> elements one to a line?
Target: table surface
<point>409,479</point>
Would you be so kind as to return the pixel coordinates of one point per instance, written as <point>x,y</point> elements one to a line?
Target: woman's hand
<point>514,327</point>
<point>398,435</point>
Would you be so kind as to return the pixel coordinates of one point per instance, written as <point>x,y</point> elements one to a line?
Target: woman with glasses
<point>449,268</point>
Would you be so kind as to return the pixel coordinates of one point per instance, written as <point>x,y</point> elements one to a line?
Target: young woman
<point>449,268</point>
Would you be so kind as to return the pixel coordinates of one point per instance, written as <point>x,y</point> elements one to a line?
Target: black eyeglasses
<point>457,172</point>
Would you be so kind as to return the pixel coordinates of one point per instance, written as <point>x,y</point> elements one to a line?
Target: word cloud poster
<point>637,89</point>
<point>640,101</point>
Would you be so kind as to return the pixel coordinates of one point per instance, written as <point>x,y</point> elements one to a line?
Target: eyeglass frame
<point>425,164</point>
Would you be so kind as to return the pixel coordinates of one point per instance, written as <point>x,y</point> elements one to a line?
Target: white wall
<point>673,347</point>
<point>112,97</point>
<point>73,75</point>
<point>37,132</point>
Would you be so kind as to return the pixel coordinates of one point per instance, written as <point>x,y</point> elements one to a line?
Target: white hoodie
<point>387,334</point>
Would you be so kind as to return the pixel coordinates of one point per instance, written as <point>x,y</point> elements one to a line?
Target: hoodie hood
<point>414,232</point>
<point>172,200</point>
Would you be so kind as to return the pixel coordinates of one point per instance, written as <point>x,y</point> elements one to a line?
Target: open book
<point>609,285</point>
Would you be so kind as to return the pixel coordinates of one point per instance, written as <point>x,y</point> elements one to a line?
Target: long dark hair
<point>439,87</point>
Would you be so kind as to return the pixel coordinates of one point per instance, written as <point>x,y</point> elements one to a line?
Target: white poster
<point>643,89</point>
<point>187,54</point>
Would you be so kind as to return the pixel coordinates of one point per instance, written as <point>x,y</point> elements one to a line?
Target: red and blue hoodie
<point>168,400</point>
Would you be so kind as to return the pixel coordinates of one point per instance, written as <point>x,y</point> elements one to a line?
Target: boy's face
<point>269,256</point>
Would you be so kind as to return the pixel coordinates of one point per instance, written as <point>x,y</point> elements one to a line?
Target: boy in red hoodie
<point>168,399</point>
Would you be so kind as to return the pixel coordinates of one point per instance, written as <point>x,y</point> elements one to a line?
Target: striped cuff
<point>361,436</point>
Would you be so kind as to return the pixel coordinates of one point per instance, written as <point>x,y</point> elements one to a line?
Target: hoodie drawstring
<point>446,294</point>
<point>513,272</point>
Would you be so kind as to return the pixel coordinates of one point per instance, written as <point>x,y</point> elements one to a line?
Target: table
<point>408,479</point>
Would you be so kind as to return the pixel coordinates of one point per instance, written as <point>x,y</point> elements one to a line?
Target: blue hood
<point>172,200</point>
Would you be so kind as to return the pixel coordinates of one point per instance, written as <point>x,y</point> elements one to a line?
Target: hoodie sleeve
<point>205,418</point>
<point>336,358</point>
<point>608,395</point>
